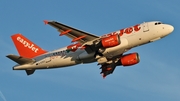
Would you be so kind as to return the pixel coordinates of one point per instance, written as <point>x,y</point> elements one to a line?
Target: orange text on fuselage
<point>121,32</point>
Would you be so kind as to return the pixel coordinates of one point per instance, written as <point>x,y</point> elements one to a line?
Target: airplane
<point>108,50</point>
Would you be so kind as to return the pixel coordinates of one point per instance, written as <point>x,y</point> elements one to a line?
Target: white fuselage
<point>148,32</point>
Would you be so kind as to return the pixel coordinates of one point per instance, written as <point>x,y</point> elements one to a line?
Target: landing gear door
<point>145,27</point>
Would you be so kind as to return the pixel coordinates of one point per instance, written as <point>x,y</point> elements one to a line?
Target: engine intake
<point>108,42</point>
<point>130,59</point>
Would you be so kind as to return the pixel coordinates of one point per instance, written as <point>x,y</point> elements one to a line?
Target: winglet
<point>45,22</point>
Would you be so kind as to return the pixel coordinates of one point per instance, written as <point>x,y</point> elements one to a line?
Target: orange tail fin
<point>25,47</point>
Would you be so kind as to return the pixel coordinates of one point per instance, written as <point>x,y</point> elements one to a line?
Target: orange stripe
<point>65,32</point>
<point>78,38</point>
<point>83,47</point>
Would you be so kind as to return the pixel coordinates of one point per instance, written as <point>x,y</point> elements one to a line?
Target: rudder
<point>25,47</point>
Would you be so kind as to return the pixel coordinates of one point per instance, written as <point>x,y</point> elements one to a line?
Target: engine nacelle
<point>110,41</point>
<point>130,59</point>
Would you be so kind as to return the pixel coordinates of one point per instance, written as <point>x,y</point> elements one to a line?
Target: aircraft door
<point>48,59</point>
<point>145,27</point>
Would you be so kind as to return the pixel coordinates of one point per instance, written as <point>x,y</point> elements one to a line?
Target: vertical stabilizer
<point>25,47</point>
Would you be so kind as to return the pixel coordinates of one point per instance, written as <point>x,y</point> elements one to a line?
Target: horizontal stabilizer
<point>20,60</point>
<point>29,72</point>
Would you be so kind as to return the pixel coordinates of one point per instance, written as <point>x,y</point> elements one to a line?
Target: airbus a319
<point>107,50</point>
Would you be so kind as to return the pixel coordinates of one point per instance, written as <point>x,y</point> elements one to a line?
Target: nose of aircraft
<point>170,28</point>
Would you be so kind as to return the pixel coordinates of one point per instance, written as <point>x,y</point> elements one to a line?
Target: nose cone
<point>170,28</point>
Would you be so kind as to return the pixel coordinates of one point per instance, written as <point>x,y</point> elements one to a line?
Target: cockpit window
<point>158,23</point>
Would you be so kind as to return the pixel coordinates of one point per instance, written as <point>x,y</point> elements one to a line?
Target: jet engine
<point>110,41</point>
<point>107,42</point>
<point>129,59</point>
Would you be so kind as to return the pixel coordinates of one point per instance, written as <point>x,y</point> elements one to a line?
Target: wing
<point>75,34</point>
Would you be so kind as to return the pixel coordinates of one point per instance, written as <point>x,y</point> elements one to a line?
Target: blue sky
<point>155,78</point>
